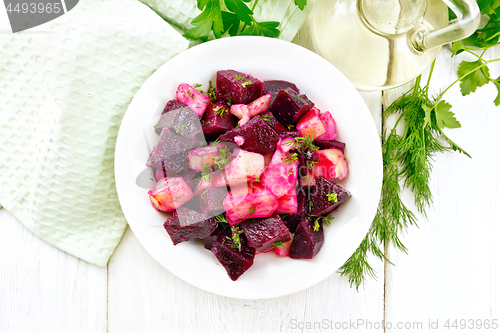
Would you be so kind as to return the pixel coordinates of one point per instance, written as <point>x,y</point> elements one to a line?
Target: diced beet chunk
<point>291,134</point>
<point>169,193</point>
<point>244,167</point>
<point>326,196</point>
<point>283,249</point>
<point>327,144</point>
<point>280,177</point>
<point>208,241</point>
<point>306,160</point>
<point>211,200</point>
<point>170,154</point>
<point>258,136</point>
<point>263,233</point>
<point>249,201</point>
<point>310,125</point>
<point>182,121</point>
<point>186,225</point>
<point>216,121</point>
<point>292,220</point>
<point>193,204</point>
<point>271,121</point>
<point>159,174</point>
<point>289,106</point>
<point>331,164</point>
<point>273,87</point>
<point>330,126</point>
<point>303,165</point>
<point>235,261</point>
<point>172,105</point>
<point>195,100</point>
<point>287,204</point>
<point>235,87</point>
<point>306,242</point>
<point>190,177</point>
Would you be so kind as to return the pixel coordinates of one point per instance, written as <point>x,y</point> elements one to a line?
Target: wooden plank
<point>452,271</point>
<point>43,289</point>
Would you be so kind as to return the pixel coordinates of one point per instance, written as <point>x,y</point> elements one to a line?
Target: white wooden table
<point>452,271</point>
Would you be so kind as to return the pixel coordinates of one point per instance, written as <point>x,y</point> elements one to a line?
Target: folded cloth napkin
<point>64,88</point>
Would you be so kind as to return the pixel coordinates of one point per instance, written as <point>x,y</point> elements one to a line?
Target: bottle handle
<point>468,15</point>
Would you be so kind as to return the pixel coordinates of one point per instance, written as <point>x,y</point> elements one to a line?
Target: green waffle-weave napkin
<point>64,88</point>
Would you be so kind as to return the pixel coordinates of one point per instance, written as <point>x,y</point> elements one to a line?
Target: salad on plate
<point>247,167</point>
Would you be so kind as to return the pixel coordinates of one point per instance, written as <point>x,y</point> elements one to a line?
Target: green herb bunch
<point>231,16</point>
<point>407,154</point>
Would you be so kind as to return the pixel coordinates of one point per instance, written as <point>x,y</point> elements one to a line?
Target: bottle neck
<point>390,17</point>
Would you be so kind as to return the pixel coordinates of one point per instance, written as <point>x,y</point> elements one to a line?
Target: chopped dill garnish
<point>305,143</point>
<point>204,193</point>
<point>220,110</point>
<point>332,197</point>
<point>300,99</point>
<point>328,219</point>
<point>221,218</point>
<point>251,211</point>
<point>206,173</point>
<point>224,157</point>
<point>181,126</point>
<point>235,237</point>
<point>316,224</point>
<point>211,93</point>
<point>311,164</point>
<point>290,158</point>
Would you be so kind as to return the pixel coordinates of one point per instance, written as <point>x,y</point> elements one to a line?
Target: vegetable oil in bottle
<point>370,41</point>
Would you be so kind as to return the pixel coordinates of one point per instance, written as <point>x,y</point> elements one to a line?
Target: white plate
<point>264,58</point>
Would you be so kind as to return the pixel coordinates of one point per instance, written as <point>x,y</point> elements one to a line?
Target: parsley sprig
<point>233,17</point>
<point>474,74</point>
<point>407,156</point>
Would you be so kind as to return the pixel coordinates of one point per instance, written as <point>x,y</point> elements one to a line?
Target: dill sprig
<point>407,163</point>
<point>221,219</point>
<point>224,157</point>
<point>220,110</point>
<point>304,143</point>
<point>251,211</point>
<point>290,158</point>
<point>235,237</point>
<point>211,92</point>
<point>206,175</point>
<point>181,126</point>
<point>311,164</point>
